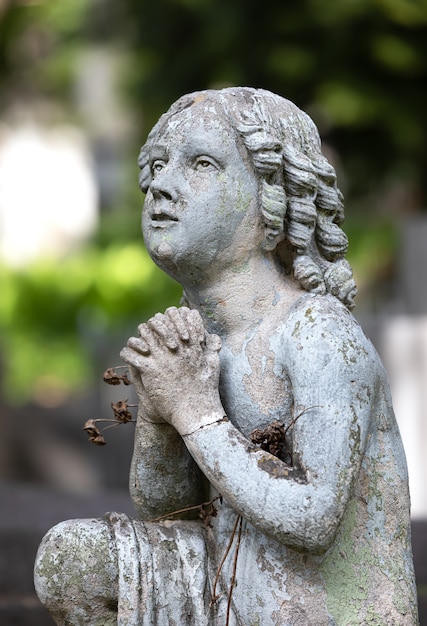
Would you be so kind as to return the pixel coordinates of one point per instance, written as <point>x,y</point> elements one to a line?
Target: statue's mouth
<point>163,219</point>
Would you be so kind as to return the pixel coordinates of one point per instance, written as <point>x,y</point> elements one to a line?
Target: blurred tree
<point>358,66</point>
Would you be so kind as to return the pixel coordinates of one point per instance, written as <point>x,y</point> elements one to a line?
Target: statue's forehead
<point>204,124</point>
<point>203,115</point>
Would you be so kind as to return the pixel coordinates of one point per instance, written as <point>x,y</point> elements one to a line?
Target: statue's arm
<point>163,477</point>
<point>333,376</point>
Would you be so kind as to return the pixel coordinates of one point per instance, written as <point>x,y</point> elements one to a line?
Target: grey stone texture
<point>308,525</point>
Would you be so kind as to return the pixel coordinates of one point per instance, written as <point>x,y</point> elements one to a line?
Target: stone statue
<point>260,397</point>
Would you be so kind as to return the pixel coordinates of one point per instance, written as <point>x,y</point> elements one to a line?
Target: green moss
<point>309,315</point>
<point>346,582</point>
<point>296,329</point>
<point>372,619</point>
<point>346,571</point>
<point>347,350</point>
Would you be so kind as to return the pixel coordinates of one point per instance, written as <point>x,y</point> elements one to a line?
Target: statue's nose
<point>163,187</point>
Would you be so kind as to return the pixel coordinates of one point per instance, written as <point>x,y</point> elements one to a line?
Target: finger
<point>146,335</point>
<point>194,324</point>
<point>140,345</point>
<point>166,332</point>
<point>177,320</point>
<point>135,376</point>
<point>213,342</point>
<point>132,357</point>
<point>197,325</point>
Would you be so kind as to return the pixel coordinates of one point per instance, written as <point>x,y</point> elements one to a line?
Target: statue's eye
<point>204,164</point>
<point>157,166</point>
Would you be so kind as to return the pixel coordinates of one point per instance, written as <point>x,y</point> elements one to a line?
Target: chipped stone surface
<point>243,210</point>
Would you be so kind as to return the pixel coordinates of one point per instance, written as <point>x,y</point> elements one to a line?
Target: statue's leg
<point>117,570</point>
<point>76,573</point>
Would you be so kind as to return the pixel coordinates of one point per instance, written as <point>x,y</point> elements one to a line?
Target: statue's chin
<point>162,255</point>
<point>163,252</point>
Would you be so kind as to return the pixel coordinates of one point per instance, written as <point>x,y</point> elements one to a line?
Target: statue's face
<point>201,206</point>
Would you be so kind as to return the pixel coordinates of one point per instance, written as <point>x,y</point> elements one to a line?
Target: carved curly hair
<point>302,207</point>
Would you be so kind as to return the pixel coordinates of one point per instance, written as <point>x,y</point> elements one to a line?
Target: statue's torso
<point>370,558</point>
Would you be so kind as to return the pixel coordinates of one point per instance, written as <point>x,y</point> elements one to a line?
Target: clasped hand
<point>175,368</point>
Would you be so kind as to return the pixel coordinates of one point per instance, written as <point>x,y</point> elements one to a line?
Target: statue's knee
<point>76,559</point>
<point>52,553</point>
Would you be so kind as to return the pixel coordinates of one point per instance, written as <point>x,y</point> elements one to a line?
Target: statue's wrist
<point>195,423</point>
<point>150,422</point>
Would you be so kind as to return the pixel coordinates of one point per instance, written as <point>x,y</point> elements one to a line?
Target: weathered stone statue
<point>261,389</point>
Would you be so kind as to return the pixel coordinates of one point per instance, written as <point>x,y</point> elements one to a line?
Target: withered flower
<point>271,439</point>
<point>91,428</point>
<point>121,411</point>
<point>98,440</point>
<point>94,433</point>
<point>111,377</point>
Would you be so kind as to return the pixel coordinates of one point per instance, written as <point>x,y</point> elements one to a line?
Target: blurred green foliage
<point>357,66</point>
<point>56,318</point>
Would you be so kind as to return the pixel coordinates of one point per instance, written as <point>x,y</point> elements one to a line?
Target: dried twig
<point>296,418</point>
<point>202,508</point>
<point>215,597</point>
<point>233,574</point>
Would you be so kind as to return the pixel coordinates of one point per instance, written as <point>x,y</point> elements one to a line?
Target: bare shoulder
<point>320,329</point>
<point>322,314</point>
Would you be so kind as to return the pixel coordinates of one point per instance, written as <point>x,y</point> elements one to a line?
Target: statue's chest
<point>255,389</point>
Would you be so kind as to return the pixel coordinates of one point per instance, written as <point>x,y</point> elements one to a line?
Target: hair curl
<point>302,207</point>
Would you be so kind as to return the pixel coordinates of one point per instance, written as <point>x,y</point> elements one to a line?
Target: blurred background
<point>81,84</point>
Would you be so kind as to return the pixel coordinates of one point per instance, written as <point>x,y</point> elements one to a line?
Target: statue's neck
<point>239,299</point>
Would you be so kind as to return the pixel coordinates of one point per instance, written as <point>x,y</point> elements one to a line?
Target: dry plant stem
<point>186,510</point>
<point>117,424</point>
<point>233,575</point>
<point>226,553</point>
<point>296,418</point>
<point>114,422</point>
